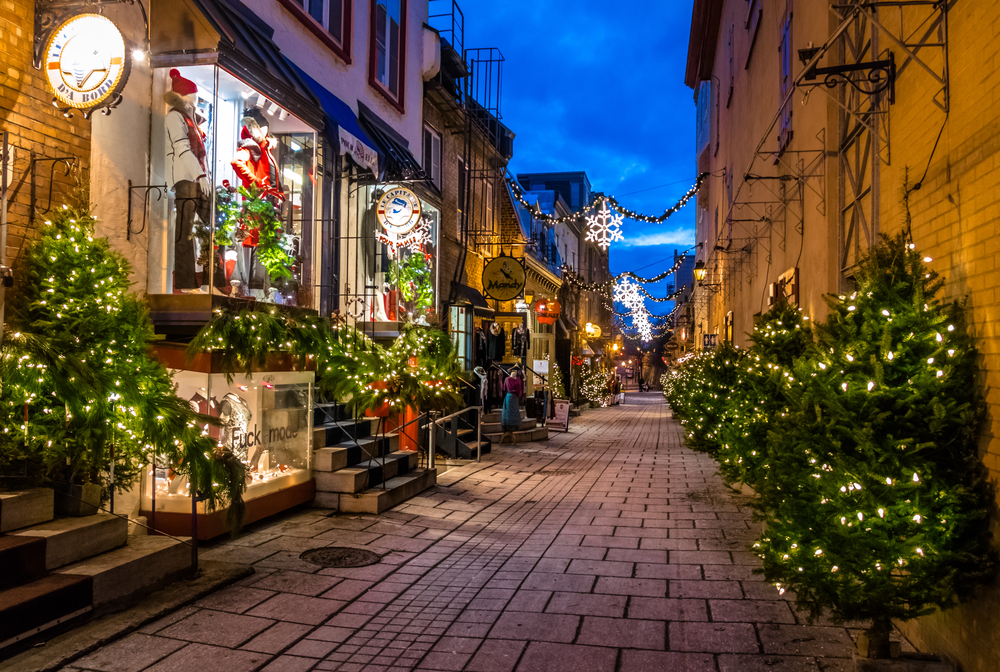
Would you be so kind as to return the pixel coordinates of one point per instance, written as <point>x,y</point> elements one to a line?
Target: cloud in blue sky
<point>599,86</point>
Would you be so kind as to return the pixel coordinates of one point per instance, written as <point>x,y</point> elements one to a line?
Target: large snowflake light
<point>627,293</point>
<point>605,227</point>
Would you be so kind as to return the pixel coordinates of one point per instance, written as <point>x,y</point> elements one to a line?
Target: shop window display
<point>266,423</point>
<point>397,283</point>
<point>241,170</point>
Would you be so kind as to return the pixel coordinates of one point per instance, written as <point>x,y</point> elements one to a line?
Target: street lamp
<point>699,274</point>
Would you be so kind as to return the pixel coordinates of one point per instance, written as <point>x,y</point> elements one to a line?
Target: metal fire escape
<point>917,31</point>
<point>468,92</point>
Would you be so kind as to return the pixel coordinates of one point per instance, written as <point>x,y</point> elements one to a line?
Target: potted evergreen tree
<point>875,498</point>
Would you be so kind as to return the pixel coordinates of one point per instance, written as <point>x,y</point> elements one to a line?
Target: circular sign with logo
<point>398,211</point>
<point>86,62</point>
<point>547,310</point>
<point>503,278</point>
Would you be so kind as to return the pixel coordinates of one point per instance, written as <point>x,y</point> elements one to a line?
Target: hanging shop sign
<point>398,212</point>
<point>362,153</point>
<point>503,278</point>
<point>547,310</point>
<point>593,330</point>
<point>87,63</point>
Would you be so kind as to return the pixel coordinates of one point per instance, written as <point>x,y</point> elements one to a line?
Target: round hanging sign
<point>398,211</point>
<point>86,62</point>
<point>503,278</point>
<point>547,310</point>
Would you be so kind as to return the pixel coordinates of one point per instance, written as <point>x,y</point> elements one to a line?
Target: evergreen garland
<point>413,279</point>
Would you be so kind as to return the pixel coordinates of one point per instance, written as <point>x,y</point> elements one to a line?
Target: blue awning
<point>342,127</point>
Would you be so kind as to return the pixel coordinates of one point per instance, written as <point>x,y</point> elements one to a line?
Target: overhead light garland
<point>611,201</point>
<point>570,276</point>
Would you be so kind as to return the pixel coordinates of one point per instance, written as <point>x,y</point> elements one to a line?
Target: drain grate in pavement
<point>340,556</point>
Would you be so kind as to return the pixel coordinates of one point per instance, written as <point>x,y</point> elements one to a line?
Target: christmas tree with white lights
<point>874,496</point>
<point>80,391</point>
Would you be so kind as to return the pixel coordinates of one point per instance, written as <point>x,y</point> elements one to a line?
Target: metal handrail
<point>479,432</point>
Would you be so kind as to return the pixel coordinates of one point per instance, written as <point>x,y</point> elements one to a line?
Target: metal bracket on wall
<point>70,162</point>
<point>160,188</point>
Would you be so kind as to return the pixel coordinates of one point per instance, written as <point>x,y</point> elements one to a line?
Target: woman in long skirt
<point>510,418</point>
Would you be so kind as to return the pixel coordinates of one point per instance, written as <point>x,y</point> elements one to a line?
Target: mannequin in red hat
<point>256,166</point>
<point>187,172</point>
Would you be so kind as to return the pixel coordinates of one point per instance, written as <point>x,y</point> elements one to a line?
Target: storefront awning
<point>398,163</point>
<point>245,48</point>
<point>468,295</point>
<point>342,128</point>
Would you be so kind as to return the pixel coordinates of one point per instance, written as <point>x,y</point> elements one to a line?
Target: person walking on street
<point>510,418</point>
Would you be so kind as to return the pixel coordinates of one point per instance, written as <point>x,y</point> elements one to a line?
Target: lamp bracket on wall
<point>869,77</point>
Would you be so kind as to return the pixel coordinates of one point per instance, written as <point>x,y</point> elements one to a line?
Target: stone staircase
<point>356,472</point>
<point>56,570</point>
<point>528,431</point>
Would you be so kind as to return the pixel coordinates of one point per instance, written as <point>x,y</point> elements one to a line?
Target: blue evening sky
<point>599,86</point>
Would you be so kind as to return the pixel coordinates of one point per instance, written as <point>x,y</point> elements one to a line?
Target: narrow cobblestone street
<point>612,547</point>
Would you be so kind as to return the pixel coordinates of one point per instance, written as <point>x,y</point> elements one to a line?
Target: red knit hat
<point>181,86</point>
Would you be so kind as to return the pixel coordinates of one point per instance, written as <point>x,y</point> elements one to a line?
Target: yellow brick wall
<point>954,221</point>
<point>34,126</point>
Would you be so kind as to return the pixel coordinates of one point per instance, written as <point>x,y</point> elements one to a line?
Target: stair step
<point>467,451</point>
<point>330,434</point>
<point>25,507</point>
<point>145,563</point>
<point>539,434</point>
<point>69,540</point>
<point>397,491</point>
<point>22,560</point>
<point>31,608</point>
<point>368,474</point>
<point>324,413</point>
<point>497,427</point>
<point>494,416</point>
<point>348,453</point>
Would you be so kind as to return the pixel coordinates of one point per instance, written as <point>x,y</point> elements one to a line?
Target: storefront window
<point>382,282</point>
<point>240,170</point>
<point>461,333</point>
<point>266,424</point>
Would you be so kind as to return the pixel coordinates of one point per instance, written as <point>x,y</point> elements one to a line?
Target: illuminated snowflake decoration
<point>421,236</point>
<point>605,227</point>
<point>628,294</point>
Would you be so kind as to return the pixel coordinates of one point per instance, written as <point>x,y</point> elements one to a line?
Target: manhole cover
<point>340,556</point>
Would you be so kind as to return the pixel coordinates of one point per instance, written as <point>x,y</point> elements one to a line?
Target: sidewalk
<point>609,548</point>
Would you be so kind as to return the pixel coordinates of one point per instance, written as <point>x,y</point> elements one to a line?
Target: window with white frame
<point>461,198</point>
<point>785,56</point>
<point>388,39</point>
<point>488,218</point>
<point>432,155</point>
<point>329,20</point>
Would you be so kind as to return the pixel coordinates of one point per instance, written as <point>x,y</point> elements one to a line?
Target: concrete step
<point>142,565</point>
<point>539,434</point>
<point>324,413</point>
<point>34,607</point>
<point>25,507</point>
<point>348,453</point>
<point>22,560</point>
<point>330,434</point>
<point>365,474</point>
<point>397,491</point>
<point>497,427</point>
<point>467,451</point>
<point>69,540</point>
<point>494,416</point>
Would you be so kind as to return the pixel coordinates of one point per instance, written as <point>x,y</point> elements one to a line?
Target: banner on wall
<point>359,151</point>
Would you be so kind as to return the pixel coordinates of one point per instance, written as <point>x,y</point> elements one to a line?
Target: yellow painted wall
<point>955,216</point>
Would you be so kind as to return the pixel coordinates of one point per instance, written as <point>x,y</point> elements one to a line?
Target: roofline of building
<point>705,18</point>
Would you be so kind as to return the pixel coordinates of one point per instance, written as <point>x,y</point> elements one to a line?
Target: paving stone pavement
<point>611,548</point>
